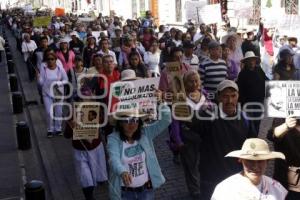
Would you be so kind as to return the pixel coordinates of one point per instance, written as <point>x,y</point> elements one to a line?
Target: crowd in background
<point>224,66</point>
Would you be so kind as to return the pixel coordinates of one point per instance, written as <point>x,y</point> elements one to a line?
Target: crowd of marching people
<point>221,73</point>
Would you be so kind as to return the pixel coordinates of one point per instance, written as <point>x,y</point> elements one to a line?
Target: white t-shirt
<point>134,159</point>
<point>109,53</point>
<point>193,62</point>
<point>27,48</point>
<point>152,60</point>
<point>238,187</point>
<point>196,106</point>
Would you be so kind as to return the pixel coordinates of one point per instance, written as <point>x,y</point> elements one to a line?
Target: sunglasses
<point>50,58</point>
<point>130,120</point>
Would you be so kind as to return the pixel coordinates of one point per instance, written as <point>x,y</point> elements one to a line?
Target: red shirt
<point>110,79</point>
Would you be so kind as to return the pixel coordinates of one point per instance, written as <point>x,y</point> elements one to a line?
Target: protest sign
<point>179,98</point>
<point>98,34</point>
<point>192,9</point>
<point>242,8</point>
<point>41,21</point>
<point>138,94</point>
<point>59,12</point>
<point>86,19</point>
<point>86,117</point>
<point>173,67</point>
<point>116,42</point>
<point>289,25</point>
<point>283,98</point>
<point>210,14</point>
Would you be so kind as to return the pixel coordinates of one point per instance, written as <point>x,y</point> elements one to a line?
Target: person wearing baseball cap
<point>213,70</point>
<point>285,68</point>
<point>251,183</point>
<point>221,131</point>
<point>189,57</point>
<point>76,44</point>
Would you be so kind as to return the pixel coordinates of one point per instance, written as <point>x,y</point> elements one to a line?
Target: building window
<point>134,8</point>
<point>214,1</point>
<point>178,10</point>
<point>291,6</point>
<point>142,5</point>
<point>254,20</point>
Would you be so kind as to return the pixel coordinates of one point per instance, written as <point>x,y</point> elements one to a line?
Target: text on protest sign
<point>86,117</point>
<point>283,98</point>
<point>139,94</point>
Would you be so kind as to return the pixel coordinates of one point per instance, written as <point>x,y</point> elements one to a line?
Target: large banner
<point>41,21</point>
<point>138,94</point>
<point>86,117</point>
<point>283,98</point>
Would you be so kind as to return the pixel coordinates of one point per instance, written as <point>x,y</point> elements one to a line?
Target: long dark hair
<point>137,134</point>
<point>134,52</point>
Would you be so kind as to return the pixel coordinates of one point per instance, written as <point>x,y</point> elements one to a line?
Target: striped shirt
<point>212,73</point>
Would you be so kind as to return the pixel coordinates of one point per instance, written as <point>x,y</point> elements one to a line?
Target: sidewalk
<point>10,174</point>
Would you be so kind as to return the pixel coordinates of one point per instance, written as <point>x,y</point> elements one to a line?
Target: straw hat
<point>129,113</point>
<point>63,40</point>
<point>255,149</point>
<point>125,114</point>
<point>74,33</point>
<point>128,75</point>
<point>249,54</point>
<point>117,28</point>
<point>227,36</point>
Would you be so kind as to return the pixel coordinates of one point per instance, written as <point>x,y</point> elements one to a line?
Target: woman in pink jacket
<point>65,55</point>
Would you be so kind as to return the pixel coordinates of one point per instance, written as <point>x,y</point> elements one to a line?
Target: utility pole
<point>198,16</point>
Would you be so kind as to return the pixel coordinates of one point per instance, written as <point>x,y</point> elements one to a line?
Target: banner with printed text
<point>138,94</point>
<point>282,98</point>
<point>41,21</point>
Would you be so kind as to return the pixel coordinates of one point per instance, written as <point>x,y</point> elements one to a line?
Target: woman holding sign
<point>89,156</point>
<point>165,84</point>
<point>134,169</point>
<point>285,134</point>
<point>190,152</point>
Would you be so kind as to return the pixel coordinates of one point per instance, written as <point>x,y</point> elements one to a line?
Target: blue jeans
<point>147,194</point>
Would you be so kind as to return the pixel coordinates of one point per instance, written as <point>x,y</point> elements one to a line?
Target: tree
<point>269,3</point>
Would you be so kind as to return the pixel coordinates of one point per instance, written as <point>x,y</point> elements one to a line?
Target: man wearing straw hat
<point>221,132</point>
<point>251,183</point>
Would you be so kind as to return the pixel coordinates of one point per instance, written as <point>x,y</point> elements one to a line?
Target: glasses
<point>50,59</point>
<point>130,120</point>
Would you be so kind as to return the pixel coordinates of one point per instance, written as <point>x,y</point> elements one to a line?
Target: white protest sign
<point>191,8</point>
<point>289,24</point>
<point>241,8</point>
<point>210,14</point>
<point>86,19</point>
<point>283,98</point>
<point>86,117</point>
<point>97,34</point>
<point>139,94</point>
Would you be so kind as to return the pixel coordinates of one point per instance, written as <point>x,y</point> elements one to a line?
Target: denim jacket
<point>115,148</point>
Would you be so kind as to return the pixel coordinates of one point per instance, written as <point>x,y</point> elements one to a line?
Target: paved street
<point>56,154</point>
<point>51,160</point>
